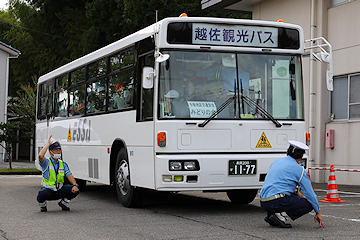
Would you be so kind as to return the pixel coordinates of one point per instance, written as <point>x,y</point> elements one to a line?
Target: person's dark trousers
<point>47,194</point>
<point>293,205</point>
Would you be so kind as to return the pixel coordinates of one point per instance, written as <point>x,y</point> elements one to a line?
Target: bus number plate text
<point>242,167</point>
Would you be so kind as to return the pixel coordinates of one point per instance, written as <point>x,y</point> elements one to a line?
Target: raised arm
<point>44,149</point>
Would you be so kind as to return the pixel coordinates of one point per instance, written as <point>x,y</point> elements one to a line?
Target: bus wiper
<point>219,110</point>
<point>256,106</point>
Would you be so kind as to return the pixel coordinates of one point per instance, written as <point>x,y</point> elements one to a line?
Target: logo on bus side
<point>81,131</point>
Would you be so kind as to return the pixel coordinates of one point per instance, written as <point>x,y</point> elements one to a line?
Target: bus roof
<point>150,31</point>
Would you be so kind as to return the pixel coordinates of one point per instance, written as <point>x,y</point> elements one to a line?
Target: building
<point>337,113</point>
<point>6,52</point>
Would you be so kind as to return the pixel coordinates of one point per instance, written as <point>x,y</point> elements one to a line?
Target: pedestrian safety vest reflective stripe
<point>53,178</point>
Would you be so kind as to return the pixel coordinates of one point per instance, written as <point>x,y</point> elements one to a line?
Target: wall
<point>344,35</point>
<point>3,89</point>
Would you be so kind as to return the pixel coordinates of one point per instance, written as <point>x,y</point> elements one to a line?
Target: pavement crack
<point>3,235</point>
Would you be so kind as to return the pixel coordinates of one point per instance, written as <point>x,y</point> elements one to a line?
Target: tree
<point>9,135</point>
<point>23,108</point>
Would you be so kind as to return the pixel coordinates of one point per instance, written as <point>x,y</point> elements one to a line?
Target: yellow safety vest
<point>55,182</point>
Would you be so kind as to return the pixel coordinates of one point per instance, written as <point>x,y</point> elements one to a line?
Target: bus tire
<point>128,195</point>
<point>242,196</point>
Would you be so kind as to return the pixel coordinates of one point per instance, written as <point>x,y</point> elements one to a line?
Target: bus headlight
<point>175,166</point>
<point>190,166</point>
<point>184,165</point>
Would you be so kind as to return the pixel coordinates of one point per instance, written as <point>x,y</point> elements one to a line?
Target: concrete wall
<point>344,35</point>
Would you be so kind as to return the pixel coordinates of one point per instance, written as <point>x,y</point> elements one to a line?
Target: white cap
<point>298,145</point>
<point>172,94</point>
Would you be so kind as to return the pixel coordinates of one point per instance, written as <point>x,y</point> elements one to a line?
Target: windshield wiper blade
<point>219,110</point>
<point>255,106</point>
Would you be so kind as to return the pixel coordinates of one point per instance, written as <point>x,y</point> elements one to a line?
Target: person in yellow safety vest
<point>54,172</point>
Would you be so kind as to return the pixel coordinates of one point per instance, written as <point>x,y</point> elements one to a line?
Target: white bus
<point>185,104</point>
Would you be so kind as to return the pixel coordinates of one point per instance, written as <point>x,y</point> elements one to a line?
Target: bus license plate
<point>242,167</point>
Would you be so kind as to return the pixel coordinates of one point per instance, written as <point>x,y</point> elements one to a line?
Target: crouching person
<point>278,196</point>
<point>54,172</point>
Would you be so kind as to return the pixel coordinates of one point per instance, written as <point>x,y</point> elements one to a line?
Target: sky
<point>3,3</point>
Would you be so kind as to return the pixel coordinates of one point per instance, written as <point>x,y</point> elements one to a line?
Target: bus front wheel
<point>242,196</point>
<point>128,195</point>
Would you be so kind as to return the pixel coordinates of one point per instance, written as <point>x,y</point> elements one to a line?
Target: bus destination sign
<point>235,35</point>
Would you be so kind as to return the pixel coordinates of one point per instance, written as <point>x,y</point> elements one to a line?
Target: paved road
<point>96,214</point>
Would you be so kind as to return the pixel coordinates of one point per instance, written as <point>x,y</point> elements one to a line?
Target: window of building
<point>345,99</point>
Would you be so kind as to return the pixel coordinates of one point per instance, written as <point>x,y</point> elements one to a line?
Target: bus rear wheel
<point>128,195</point>
<point>242,196</point>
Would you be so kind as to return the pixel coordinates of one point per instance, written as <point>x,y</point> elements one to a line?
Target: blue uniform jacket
<point>283,177</point>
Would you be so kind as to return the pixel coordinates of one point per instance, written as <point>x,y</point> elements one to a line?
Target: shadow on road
<point>166,201</point>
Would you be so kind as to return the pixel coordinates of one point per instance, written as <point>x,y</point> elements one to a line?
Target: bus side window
<point>46,100</point>
<point>61,103</point>
<point>61,96</point>
<point>77,101</point>
<point>146,95</point>
<point>50,93</point>
<point>42,101</point>
<point>96,96</point>
<point>121,90</point>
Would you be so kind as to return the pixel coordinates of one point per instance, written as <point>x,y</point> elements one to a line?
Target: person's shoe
<point>282,216</point>
<point>274,218</point>
<point>64,205</point>
<point>267,219</point>
<point>43,206</point>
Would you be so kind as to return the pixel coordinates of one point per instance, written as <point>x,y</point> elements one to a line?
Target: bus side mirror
<point>148,75</point>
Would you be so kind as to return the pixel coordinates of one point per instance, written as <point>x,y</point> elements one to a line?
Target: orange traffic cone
<point>332,194</point>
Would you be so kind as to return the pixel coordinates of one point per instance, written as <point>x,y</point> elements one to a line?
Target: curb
<point>20,173</point>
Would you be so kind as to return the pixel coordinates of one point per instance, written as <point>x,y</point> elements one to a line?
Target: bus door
<point>141,152</point>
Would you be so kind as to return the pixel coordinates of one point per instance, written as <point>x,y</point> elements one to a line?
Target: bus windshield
<point>195,85</point>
